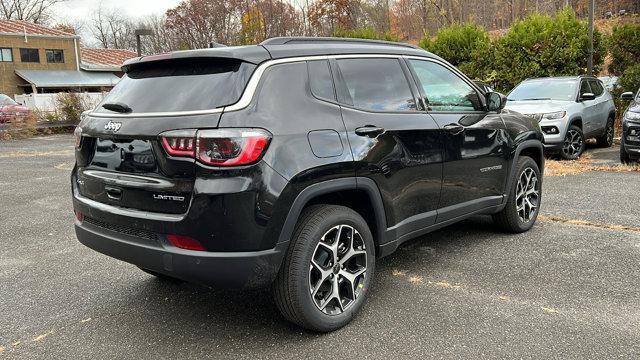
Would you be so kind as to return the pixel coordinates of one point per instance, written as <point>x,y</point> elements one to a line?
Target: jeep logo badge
<point>113,126</point>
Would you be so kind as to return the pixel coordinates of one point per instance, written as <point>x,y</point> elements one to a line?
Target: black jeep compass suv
<point>296,164</point>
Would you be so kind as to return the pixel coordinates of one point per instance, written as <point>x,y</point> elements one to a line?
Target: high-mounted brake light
<point>218,147</point>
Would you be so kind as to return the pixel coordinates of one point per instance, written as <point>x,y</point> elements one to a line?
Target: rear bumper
<point>238,270</point>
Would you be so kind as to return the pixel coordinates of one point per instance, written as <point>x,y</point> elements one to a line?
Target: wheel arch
<point>358,193</point>
<point>577,121</point>
<point>531,148</point>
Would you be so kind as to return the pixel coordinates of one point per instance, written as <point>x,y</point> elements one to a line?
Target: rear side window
<point>376,84</point>
<point>320,80</point>
<point>596,87</point>
<point>181,85</point>
<point>584,87</point>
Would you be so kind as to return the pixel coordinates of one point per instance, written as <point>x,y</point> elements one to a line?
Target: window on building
<point>55,56</point>
<point>29,55</point>
<point>6,55</point>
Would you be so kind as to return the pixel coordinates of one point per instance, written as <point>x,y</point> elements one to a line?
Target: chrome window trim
<point>252,85</point>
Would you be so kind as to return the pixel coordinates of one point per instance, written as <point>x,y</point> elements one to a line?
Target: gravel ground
<point>467,291</point>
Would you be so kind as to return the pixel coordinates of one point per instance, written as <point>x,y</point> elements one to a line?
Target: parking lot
<point>569,288</point>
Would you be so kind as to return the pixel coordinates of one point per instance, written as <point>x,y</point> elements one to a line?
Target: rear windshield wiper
<point>117,107</point>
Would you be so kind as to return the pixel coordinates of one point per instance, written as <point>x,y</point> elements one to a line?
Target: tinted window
<point>320,79</point>
<point>545,89</point>
<point>584,87</point>
<point>181,85</point>
<point>596,87</point>
<point>376,84</point>
<point>6,55</point>
<point>55,56</point>
<point>445,91</point>
<point>29,55</point>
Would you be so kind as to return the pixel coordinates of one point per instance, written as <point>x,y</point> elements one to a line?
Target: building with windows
<point>36,59</point>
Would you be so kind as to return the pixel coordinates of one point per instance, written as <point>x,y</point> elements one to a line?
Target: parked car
<point>630,139</point>
<point>569,109</point>
<point>11,111</point>
<point>611,83</point>
<point>296,164</point>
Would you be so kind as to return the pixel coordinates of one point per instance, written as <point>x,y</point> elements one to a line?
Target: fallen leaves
<point>563,220</point>
<point>550,310</point>
<point>584,164</point>
<point>17,154</point>
<point>399,272</point>
<point>446,285</point>
<point>42,336</point>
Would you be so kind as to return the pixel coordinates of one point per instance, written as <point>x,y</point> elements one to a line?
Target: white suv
<point>569,109</point>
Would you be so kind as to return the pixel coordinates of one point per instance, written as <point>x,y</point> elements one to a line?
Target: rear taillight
<point>185,242</point>
<point>179,146</point>
<point>218,147</point>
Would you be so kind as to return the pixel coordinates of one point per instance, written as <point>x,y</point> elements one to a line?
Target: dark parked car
<point>11,111</point>
<point>296,164</point>
<point>630,139</point>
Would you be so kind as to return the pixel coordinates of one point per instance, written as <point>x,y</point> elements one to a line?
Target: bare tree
<point>112,29</point>
<point>37,11</point>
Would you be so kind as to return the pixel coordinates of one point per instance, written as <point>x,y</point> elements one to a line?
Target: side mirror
<point>587,96</point>
<point>628,96</point>
<point>496,101</point>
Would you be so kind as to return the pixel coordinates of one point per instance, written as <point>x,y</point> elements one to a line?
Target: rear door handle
<point>454,129</point>
<point>369,130</point>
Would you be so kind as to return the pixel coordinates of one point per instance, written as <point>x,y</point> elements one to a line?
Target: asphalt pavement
<point>467,291</point>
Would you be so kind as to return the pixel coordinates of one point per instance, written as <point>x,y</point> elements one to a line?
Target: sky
<point>82,9</point>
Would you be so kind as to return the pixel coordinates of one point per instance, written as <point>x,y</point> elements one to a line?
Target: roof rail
<point>335,40</point>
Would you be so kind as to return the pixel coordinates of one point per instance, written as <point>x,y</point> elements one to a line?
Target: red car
<point>11,110</point>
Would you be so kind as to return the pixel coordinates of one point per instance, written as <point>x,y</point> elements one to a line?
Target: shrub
<point>20,128</point>
<point>465,46</point>
<point>365,33</point>
<point>630,79</point>
<point>69,106</point>
<point>541,45</point>
<point>624,46</point>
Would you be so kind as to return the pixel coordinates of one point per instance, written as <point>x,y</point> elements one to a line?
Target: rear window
<point>181,85</point>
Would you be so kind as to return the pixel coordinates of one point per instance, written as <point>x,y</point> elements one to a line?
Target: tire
<point>624,157</point>
<point>573,145</point>
<point>514,217</point>
<point>160,276</point>
<point>298,277</point>
<point>606,140</point>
